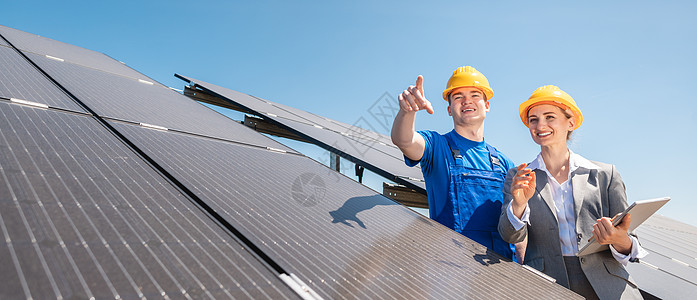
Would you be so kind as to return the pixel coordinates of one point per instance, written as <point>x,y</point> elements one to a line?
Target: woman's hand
<point>522,189</point>
<point>605,234</point>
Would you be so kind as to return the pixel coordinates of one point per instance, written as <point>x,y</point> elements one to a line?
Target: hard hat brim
<point>487,91</point>
<point>525,107</point>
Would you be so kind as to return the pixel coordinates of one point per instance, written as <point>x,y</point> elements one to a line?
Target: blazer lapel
<point>579,180</point>
<point>545,192</point>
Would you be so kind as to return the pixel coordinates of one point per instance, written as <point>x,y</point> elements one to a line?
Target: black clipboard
<point>640,211</point>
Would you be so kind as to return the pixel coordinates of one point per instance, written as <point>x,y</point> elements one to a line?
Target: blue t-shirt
<point>437,159</point>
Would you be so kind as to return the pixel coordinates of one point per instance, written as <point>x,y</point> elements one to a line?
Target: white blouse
<point>564,206</point>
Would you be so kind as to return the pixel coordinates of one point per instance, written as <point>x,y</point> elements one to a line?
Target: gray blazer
<point>597,193</point>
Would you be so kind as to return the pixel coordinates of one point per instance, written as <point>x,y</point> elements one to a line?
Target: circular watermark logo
<point>308,189</point>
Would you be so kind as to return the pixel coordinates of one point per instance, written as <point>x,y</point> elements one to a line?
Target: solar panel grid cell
<point>361,145</point>
<point>128,99</point>
<point>262,106</point>
<point>679,235</point>
<point>342,238</point>
<point>381,161</point>
<point>70,53</point>
<point>385,160</point>
<point>669,270</point>
<point>84,217</point>
<point>19,79</point>
<point>672,245</point>
<point>280,111</point>
<point>660,284</point>
<point>337,126</point>
<point>667,256</point>
<point>354,134</point>
<point>360,140</point>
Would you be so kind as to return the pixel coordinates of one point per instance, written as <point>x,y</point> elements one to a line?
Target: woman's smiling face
<point>549,124</point>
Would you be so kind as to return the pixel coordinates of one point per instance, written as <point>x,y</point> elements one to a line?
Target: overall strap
<point>457,157</point>
<point>495,161</point>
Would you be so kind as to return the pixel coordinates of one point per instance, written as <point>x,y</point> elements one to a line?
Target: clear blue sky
<point>630,65</point>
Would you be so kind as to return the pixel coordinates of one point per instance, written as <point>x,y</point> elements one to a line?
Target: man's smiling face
<point>468,105</point>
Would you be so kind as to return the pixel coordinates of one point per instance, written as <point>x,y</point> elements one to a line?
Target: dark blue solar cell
<point>19,79</point>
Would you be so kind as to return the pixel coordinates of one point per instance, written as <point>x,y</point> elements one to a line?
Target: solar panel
<point>670,269</point>
<point>660,284</point>
<point>82,216</point>
<point>284,112</point>
<point>124,98</point>
<point>343,239</point>
<point>369,149</point>
<point>333,125</point>
<point>20,80</point>
<point>70,53</point>
<point>362,150</point>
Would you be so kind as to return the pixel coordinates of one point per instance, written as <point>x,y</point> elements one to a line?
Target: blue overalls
<point>477,196</point>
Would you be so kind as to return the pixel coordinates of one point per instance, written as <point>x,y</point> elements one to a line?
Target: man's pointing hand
<point>412,99</point>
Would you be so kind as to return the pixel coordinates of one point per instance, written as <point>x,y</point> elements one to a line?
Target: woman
<point>561,200</point>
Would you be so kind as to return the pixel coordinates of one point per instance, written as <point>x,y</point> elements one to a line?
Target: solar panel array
<point>368,148</point>
<point>115,187</point>
<point>83,216</point>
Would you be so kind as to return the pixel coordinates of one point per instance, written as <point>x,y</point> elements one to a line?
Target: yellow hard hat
<point>468,77</point>
<point>553,95</point>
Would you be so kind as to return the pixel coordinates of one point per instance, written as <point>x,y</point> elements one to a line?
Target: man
<point>464,175</point>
